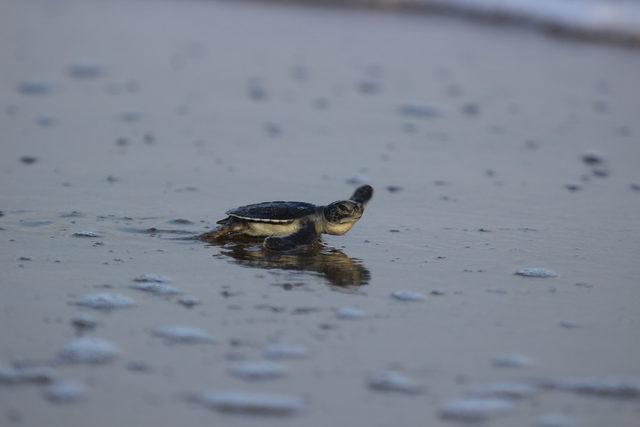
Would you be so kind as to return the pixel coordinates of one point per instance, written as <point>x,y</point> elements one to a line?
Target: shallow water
<point>462,202</point>
<point>331,264</point>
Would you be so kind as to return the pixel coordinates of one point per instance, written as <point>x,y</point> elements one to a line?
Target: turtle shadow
<point>332,264</point>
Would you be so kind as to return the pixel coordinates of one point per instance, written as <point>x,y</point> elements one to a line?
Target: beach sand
<point>117,117</point>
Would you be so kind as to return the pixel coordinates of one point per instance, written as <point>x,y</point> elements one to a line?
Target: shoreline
<point>553,26</point>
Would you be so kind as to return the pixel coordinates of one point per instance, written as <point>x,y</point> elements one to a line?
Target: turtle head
<point>362,194</point>
<point>341,215</point>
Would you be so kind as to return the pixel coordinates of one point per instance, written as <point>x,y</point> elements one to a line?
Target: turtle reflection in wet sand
<point>287,225</point>
<point>332,264</point>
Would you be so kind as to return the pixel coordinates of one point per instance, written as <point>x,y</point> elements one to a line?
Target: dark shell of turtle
<point>273,211</point>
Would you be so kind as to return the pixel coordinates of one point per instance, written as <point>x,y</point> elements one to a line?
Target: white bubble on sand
<point>89,350</point>
<point>393,381</point>
<point>350,313</point>
<point>535,272</point>
<point>258,370</point>
<point>106,301</point>
<point>20,375</point>
<point>184,335</point>
<point>151,278</point>
<point>512,361</point>
<point>155,288</point>
<point>252,402</point>
<point>408,295</point>
<point>507,390</point>
<point>474,410</point>
<point>284,351</point>
<point>555,420</point>
<point>65,392</point>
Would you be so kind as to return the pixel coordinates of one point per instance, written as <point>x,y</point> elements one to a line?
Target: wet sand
<point>120,117</point>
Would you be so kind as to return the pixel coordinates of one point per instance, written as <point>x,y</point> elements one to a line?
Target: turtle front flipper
<point>306,235</point>
<point>227,227</point>
<point>362,194</point>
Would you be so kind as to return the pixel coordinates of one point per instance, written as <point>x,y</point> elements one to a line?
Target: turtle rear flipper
<point>306,235</point>
<point>226,221</point>
<point>362,194</point>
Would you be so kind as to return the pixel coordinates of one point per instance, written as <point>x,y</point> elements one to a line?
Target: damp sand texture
<point>128,126</point>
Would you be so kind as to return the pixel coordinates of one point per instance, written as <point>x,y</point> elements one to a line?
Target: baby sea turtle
<point>289,224</point>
